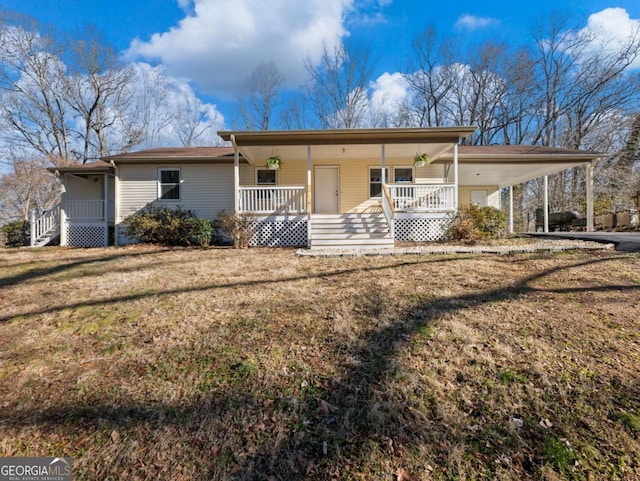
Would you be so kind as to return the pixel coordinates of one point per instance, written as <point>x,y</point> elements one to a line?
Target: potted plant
<point>420,160</point>
<point>273,162</point>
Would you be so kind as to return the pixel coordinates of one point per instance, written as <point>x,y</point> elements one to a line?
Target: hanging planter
<point>420,160</point>
<point>273,162</point>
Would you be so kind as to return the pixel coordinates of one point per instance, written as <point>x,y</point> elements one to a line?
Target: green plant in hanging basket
<point>421,159</point>
<point>273,162</point>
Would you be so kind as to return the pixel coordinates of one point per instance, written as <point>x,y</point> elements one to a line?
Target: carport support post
<point>546,203</point>
<point>589,213</point>
<point>510,209</point>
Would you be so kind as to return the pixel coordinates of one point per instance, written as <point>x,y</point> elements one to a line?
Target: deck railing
<point>273,199</point>
<point>84,209</point>
<point>422,198</point>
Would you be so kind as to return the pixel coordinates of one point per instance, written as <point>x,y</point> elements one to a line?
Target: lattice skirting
<point>86,235</point>
<point>280,232</point>
<point>420,229</point>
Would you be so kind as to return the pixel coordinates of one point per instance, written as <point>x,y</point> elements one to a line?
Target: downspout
<point>116,204</point>
<point>236,175</point>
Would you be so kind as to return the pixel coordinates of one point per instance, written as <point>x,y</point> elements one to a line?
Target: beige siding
<point>493,194</point>
<point>204,188</point>
<point>430,174</point>
<point>78,188</point>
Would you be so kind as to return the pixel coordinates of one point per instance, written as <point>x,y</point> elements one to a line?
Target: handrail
<point>44,225</point>
<point>387,207</point>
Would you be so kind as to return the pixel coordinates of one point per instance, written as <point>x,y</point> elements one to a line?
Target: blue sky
<point>214,44</point>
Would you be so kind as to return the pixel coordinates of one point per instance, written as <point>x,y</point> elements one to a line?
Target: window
<point>375,181</point>
<point>403,174</point>
<point>266,177</point>
<point>169,184</point>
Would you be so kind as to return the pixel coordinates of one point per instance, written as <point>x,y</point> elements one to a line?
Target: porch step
<point>350,231</point>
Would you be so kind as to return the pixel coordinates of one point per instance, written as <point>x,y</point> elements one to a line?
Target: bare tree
<point>260,96</point>
<point>338,86</point>
<point>96,91</point>
<point>27,186</point>
<point>33,111</point>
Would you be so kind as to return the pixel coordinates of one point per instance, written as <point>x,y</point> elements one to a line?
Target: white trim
<point>413,175</point>
<point>179,184</point>
<point>383,176</point>
<point>255,175</point>
<point>546,203</point>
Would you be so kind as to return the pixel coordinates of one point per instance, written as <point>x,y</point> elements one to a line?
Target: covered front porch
<point>350,187</point>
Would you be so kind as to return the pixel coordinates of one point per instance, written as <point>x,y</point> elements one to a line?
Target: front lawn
<point>152,363</point>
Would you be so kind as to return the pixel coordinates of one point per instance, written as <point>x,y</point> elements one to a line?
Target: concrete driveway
<point>623,241</point>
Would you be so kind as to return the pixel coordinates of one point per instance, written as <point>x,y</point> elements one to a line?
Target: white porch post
<point>32,220</point>
<point>510,209</point>
<point>116,204</point>
<point>309,196</point>
<point>546,203</point>
<point>383,163</point>
<point>63,212</point>
<point>105,213</point>
<point>455,176</point>
<point>590,226</point>
<point>236,175</point>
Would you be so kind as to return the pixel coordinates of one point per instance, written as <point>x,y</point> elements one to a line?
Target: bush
<point>472,224</point>
<point>165,226</point>
<point>17,233</point>
<point>240,228</point>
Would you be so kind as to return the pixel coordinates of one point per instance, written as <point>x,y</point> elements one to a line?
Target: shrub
<point>173,227</point>
<point>239,227</point>
<point>17,233</point>
<point>472,224</point>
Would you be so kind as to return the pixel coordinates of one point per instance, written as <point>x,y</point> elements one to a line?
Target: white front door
<point>327,189</point>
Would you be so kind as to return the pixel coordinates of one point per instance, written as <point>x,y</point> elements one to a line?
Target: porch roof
<point>98,167</point>
<point>175,154</point>
<point>505,165</point>
<point>339,144</point>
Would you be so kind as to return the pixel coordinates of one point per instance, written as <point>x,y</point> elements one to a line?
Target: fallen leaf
<point>402,475</point>
<point>115,435</point>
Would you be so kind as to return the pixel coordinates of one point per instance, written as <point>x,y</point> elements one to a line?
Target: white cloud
<point>613,27</point>
<point>220,42</point>
<point>472,22</point>
<point>389,91</point>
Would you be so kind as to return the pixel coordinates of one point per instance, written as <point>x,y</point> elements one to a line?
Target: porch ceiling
<point>505,165</point>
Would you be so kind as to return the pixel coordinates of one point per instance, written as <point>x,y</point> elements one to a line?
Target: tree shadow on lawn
<point>58,268</point>
<point>333,424</point>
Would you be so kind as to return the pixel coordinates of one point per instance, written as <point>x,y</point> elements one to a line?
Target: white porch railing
<point>44,227</point>
<point>273,199</point>
<point>84,209</point>
<point>422,198</point>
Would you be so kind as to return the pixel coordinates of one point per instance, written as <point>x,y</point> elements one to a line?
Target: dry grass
<point>148,363</point>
